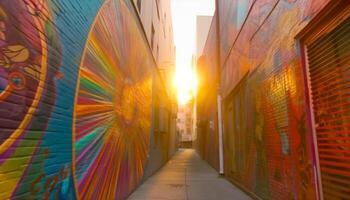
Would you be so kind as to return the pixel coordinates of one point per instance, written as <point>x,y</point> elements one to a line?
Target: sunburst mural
<point>112,117</point>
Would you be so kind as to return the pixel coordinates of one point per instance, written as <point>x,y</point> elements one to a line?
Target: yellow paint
<point>9,164</point>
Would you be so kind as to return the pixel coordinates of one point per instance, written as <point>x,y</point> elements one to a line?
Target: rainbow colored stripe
<point>113,107</point>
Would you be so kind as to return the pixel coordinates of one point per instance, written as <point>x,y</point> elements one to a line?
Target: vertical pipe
<point>221,145</point>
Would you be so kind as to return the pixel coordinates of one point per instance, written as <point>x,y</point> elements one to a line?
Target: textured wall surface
<point>207,140</point>
<point>76,99</point>
<point>267,139</point>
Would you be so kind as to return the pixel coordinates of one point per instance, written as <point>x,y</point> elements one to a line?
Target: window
<point>157,5</point>
<point>164,25</point>
<point>139,5</point>
<point>163,120</point>
<point>152,37</point>
<point>157,51</point>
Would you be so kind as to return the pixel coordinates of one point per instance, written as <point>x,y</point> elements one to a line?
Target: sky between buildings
<point>184,25</point>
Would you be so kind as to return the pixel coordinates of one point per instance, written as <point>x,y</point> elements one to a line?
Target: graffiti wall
<point>76,90</point>
<point>268,145</point>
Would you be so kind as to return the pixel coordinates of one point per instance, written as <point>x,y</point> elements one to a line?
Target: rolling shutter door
<point>329,69</point>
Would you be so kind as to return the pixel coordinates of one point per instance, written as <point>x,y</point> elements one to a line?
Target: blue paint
<point>242,9</point>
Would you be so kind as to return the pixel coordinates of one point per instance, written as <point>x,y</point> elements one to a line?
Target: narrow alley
<point>174,99</point>
<point>187,177</point>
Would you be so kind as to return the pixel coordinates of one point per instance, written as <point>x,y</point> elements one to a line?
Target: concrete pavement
<point>187,177</point>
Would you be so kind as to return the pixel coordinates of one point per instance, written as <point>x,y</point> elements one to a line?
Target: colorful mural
<point>267,138</point>
<point>232,15</point>
<point>112,117</point>
<point>28,70</point>
<point>273,131</point>
<point>76,99</point>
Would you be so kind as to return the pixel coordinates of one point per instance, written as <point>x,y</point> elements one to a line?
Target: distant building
<point>187,120</point>
<point>202,30</point>
<point>155,17</point>
<point>184,124</point>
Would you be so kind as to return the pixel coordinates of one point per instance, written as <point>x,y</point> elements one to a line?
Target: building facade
<point>203,23</point>
<point>155,16</point>
<point>281,70</point>
<point>205,109</point>
<point>207,140</point>
<point>82,97</point>
<point>185,124</point>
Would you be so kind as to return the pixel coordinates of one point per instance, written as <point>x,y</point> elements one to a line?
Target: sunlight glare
<point>184,23</point>
<point>186,85</point>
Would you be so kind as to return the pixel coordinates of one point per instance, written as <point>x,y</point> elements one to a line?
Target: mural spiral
<point>27,89</point>
<point>22,69</point>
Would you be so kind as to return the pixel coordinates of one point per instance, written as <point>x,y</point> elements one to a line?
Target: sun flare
<point>186,85</point>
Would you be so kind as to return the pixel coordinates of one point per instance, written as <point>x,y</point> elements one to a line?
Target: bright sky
<point>184,26</point>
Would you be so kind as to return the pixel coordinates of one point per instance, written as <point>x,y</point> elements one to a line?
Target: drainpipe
<point>221,145</point>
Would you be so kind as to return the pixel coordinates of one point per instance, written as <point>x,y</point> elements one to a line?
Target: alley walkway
<point>187,177</point>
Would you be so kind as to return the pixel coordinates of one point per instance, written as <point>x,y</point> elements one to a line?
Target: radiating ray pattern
<point>112,117</point>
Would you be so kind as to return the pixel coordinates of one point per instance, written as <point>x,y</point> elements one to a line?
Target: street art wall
<point>76,99</point>
<point>268,146</point>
